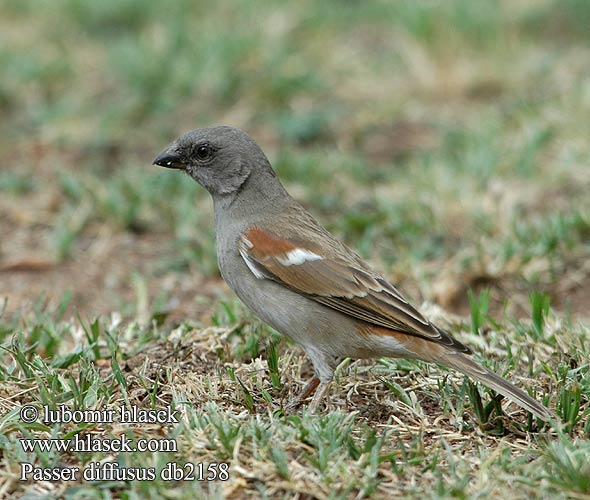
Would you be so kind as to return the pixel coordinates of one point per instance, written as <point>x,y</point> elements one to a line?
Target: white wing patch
<point>297,257</point>
<point>294,257</point>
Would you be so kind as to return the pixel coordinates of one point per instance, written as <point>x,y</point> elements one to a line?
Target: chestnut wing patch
<point>336,283</point>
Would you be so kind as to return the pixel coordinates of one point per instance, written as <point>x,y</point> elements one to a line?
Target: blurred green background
<point>447,141</point>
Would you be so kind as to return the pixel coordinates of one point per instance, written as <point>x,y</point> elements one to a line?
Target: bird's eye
<point>203,151</point>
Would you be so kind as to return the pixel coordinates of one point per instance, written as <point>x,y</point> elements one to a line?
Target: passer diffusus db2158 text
<point>302,281</point>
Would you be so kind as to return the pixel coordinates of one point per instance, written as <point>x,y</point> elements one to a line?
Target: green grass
<point>445,141</point>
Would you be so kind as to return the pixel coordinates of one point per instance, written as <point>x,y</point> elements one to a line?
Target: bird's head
<point>219,158</point>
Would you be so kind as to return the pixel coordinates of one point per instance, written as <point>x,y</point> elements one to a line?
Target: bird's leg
<point>307,391</point>
<point>323,366</point>
<point>319,395</point>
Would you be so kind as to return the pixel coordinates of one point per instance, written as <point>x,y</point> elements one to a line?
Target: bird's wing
<point>339,283</point>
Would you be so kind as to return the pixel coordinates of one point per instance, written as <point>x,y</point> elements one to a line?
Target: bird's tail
<point>469,366</point>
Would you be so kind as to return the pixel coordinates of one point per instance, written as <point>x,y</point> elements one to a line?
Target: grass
<point>390,423</point>
<point>446,141</point>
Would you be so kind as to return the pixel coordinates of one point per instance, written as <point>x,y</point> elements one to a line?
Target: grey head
<point>220,158</point>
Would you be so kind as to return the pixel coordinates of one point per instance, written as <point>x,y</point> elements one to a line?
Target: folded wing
<point>337,283</point>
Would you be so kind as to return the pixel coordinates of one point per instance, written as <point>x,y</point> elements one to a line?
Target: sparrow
<point>302,281</point>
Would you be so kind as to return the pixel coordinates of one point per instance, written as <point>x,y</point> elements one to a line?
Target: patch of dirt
<point>577,301</point>
<point>569,290</point>
<point>104,272</point>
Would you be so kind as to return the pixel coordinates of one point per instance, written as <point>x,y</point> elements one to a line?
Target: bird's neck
<point>262,192</point>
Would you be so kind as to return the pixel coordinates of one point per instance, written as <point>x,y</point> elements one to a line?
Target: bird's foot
<point>321,391</point>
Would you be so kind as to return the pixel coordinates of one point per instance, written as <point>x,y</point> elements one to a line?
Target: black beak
<point>169,160</point>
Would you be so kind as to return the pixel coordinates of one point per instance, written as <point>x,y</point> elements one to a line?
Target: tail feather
<point>471,367</point>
